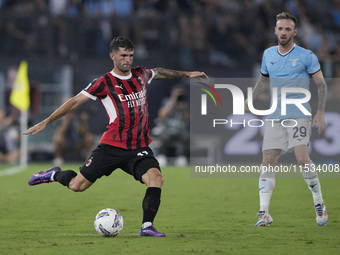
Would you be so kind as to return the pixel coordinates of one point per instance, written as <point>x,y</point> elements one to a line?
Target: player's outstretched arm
<point>67,107</point>
<point>322,98</point>
<point>164,74</point>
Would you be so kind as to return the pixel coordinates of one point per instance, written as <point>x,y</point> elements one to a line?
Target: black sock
<point>64,177</point>
<point>151,203</point>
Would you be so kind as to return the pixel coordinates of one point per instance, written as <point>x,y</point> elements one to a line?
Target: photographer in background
<point>9,139</point>
<point>73,136</point>
<point>172,128</point>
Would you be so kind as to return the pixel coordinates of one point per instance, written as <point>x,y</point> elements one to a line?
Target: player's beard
<point>124,68</point>
<point>286,42</point>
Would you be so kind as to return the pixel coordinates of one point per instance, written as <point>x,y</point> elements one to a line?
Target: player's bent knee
<point>269,162</point>
<point>270,157</point>
<point>157,180</point>
<point>77,188</point>
<point>153,178</point>
<point>302,161</point>
<point>79,183</point>
<point>160,180</point>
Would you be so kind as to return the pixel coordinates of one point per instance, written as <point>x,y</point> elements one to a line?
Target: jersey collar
<point>120,76</point>
<point>287,52</point>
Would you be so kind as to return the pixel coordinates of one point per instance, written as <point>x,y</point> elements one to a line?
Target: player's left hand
<point>197,74</point>
<point>319,118</point>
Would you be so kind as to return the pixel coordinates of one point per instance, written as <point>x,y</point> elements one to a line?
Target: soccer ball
<point>108,222</point>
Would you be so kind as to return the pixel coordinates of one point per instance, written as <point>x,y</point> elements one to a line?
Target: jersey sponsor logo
<point>272,63</point>
<point>294,61</point>
<point>133,99</point>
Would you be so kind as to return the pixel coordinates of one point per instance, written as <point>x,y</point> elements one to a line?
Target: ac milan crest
<point>89,162</point>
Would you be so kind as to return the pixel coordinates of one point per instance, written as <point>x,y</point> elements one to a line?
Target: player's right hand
<point>35,129</point>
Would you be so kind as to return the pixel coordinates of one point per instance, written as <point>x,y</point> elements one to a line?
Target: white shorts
<point>286,134</point>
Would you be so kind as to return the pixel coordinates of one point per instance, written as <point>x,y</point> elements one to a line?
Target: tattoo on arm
<point>261,86</point>
<point>322,95</point>
<point>163,74</point>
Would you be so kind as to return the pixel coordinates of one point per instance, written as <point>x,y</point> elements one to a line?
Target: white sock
<point>147,224</point>
<point>311,178</point>
<point>52,176</point>
<point>266,187</point>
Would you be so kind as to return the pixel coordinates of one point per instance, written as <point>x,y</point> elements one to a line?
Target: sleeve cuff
<point>88,95</point>
<point>153,75</point>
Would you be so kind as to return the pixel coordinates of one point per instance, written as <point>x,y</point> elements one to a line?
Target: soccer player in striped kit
<point>123,93</point>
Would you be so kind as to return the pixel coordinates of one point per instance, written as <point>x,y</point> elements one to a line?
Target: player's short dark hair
<point>121,42</point>
<point>286,15</point>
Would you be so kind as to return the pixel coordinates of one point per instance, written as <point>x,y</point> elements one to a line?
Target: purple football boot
<point>150,231</point>
<point>43,176</point>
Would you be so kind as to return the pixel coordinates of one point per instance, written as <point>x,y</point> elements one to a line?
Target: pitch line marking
<point>12,171</point>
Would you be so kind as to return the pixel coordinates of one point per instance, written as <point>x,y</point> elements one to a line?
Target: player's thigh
<point>275,137</point>
<point>140,161</point>
<point>302,154</point>
<point>103,161</point>
<point>299,134</point>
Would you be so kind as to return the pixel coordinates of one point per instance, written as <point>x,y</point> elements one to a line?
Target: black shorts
<point>106,158</point>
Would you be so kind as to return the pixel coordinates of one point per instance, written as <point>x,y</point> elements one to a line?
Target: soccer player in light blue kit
<point>289,65</point>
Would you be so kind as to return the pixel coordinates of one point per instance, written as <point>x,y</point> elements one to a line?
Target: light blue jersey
<point>290,70</point>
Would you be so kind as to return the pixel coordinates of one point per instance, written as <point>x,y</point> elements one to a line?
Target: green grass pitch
<point>199,216</point>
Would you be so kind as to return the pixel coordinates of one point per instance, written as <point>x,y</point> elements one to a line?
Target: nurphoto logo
<point>238,100</point>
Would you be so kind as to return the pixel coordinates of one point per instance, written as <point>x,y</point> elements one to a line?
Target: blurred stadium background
<point>66,44</point>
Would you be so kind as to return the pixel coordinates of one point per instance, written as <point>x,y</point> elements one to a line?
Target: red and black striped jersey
<point>124,99</point>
